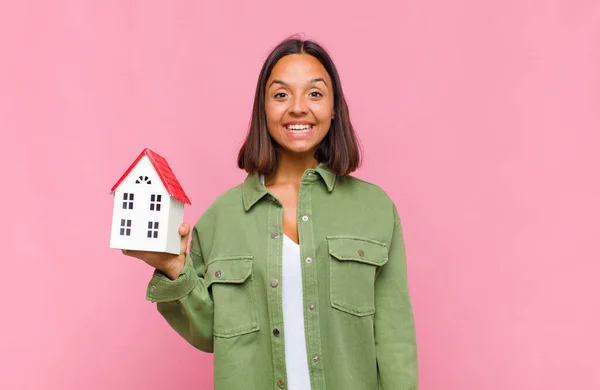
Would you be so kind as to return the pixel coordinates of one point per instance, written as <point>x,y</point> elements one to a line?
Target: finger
<point>136,254</point>
<point>184,230</point>
<point>127,252</point>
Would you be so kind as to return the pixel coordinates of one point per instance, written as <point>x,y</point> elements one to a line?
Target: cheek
<point>273,115</point>
<point>323,114</point>
<point>274,112</point>
<point>323,110</point>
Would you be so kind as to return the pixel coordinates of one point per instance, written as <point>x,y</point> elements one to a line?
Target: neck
<point>291,166</point>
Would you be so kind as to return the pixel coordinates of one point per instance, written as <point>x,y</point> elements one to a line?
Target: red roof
<point>164,172</point>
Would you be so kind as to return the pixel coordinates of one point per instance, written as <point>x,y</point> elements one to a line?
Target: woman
<point>296,279</point>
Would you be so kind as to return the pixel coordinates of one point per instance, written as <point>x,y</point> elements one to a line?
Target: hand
<point>170,264</point>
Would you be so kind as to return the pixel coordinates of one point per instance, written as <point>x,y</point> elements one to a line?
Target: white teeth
<point>300,128</point>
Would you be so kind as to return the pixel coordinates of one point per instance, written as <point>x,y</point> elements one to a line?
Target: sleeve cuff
<point>163,289</point>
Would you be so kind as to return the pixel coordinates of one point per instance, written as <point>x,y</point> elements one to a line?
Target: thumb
<point>184,231</point>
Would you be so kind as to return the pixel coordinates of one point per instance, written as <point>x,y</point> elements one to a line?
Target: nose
<point>299,105</point>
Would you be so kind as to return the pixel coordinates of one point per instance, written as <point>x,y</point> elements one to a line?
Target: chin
<point>300,149</point>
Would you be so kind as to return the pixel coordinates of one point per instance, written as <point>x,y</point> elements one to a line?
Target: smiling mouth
<point>299,128</point>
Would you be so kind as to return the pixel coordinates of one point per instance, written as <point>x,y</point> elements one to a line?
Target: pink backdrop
<point>480,119</point>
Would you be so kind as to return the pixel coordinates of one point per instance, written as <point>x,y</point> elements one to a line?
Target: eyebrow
<point>313,81</point>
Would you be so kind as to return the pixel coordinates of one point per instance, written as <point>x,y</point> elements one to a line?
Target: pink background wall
<point>480,119</point>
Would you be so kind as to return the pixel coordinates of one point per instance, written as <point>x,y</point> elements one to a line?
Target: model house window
<point>143,179</point>
<point>152,229</point>
<point>125,227</point>
<point>155,202</point>
<point>127,201</point>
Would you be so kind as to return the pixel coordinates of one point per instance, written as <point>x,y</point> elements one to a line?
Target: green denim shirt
<point>358,317</point>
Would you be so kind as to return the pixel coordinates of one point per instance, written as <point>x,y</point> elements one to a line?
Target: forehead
<point>298,68</point>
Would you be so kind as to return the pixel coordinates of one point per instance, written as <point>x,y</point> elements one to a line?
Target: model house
<point>148,206</point>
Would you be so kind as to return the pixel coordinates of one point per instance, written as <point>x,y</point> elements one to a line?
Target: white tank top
<point>296,357</point>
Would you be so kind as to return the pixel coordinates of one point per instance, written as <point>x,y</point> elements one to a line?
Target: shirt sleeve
<point>163,289</point>
<point>395,336</point>
<point>185,303</point>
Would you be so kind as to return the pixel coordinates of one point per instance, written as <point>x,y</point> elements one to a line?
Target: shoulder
<point>227,204</point>
<point>228,198</point>
<point>362,188</point>
<point>370,193</point>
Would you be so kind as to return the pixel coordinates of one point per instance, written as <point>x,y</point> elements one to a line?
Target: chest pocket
<point>235,307</point>
<point>353,266</point>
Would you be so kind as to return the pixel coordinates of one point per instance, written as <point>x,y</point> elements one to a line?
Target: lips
<point>299,131</point>
<point>303,128</point>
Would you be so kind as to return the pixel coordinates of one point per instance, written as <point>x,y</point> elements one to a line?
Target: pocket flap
<point>363,250</point>
<point>233,269</point>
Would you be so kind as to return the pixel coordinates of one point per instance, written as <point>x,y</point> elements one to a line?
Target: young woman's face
<point>299,103</point>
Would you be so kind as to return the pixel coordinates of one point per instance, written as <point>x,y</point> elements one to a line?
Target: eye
<point>315,94</point>
<point>279,95</point>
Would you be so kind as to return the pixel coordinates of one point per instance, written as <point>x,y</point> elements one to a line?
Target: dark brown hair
<point>339,150</point>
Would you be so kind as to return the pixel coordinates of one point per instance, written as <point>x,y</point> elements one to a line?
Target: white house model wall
<point>145,216</point>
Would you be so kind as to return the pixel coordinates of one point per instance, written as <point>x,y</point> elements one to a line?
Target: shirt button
<point>305,218</point>
<point>153,287</point>
<point>308,260</point>
<point>281,383</point>
<point>274,283</point>
<point>274,235</point>
<point>310,174</point>
<point>218,273</point>
<point>311,307</point>
<point>360,252</point>
<point>276,332</point>
<point>315,359</point>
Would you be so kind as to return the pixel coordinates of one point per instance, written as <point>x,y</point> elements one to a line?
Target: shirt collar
<point>253,190</point>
